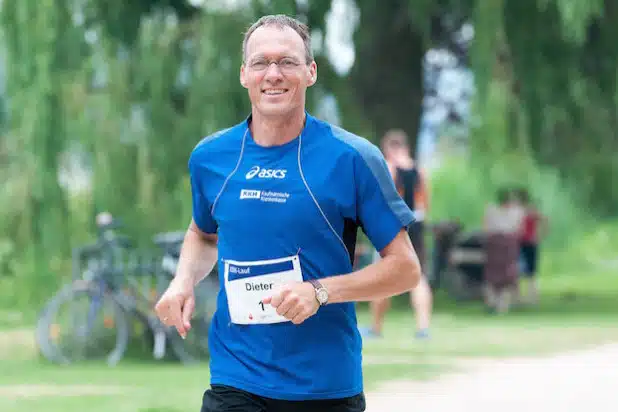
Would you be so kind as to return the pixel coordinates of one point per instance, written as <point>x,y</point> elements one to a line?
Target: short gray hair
<point>281,21</point>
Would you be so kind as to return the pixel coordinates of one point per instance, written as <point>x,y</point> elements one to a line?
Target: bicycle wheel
<point>82,322</point>
<point>194,349</point>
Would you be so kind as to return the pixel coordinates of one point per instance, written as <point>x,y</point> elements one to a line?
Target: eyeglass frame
<point>293,64</point>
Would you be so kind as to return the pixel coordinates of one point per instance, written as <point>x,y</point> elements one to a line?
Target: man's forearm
<point>391,275</point>
<point>197,256</point>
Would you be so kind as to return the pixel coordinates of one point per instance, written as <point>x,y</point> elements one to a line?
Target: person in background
<point>502,224</point>
<point>412,187</point>
<point>533,228</point>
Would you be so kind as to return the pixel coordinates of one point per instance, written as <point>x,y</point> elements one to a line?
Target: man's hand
<point>295,301</point>
<point>176,305</point>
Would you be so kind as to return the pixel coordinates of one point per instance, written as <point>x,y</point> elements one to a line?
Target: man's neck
<point>276,131</point>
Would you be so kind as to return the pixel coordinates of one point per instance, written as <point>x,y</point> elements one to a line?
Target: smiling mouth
<point>274,92</point>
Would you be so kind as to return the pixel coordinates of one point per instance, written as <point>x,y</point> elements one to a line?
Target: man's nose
<point>273,71</point>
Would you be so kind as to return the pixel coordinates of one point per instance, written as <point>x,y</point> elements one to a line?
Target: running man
<point>277,201</point>
<point>411,185</point>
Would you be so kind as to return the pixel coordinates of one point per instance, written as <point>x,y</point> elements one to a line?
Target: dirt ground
<point>582,381</point>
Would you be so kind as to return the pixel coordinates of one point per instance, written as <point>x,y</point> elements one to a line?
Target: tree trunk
<point>387,76</point>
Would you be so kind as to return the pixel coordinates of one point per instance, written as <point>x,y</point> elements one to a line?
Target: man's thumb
<point>187,311</point>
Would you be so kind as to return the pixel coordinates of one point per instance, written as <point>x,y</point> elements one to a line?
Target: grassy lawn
<point>460,333</point>
<point>577,310</point>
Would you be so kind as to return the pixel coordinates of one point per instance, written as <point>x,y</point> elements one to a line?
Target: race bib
<point>247,283</point>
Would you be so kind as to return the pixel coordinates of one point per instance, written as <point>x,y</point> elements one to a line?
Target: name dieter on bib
<point>248,283</point>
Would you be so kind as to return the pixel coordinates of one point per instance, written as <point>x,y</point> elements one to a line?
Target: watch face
<point>322,296</point>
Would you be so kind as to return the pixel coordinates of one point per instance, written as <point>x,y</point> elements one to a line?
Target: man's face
<point>276,89</point>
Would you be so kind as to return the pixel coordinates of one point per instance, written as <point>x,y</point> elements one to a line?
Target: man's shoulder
<point>353,143</point>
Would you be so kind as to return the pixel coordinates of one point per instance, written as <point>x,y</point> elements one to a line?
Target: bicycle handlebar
<point>106,223</point>
<point>169,238</point>
<point>168,241</point>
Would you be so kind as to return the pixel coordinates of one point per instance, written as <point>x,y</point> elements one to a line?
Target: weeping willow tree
<point>565,66</point>
<point>35,211</point>
<point>129,89</point>
<point>545,71</point>
<point>173,87</point>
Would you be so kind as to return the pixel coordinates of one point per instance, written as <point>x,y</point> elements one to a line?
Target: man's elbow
<point>410,271</point>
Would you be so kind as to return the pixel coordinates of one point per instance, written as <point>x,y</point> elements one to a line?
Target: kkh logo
<point>256,171</point>
<point>249,194</point>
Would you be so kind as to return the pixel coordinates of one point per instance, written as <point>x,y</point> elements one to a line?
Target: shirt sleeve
<point>201,206</point>
<point>381,211</point>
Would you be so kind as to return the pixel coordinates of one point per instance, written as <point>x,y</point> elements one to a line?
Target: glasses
<point>285,64</point>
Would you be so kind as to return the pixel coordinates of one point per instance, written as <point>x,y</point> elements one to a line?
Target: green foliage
<point>461,190</point>
<point>387,78</point>
<point>131,87</point>
<point>564,77</point>
<point>36,224</point>
<point>130,110</point>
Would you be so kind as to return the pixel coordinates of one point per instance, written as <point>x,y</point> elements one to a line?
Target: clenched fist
<point>294,301</point>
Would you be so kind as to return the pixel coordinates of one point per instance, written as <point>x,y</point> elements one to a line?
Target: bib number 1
<point>248,283</point>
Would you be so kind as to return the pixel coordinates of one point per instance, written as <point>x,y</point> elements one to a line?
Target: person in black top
<point>411,185</point>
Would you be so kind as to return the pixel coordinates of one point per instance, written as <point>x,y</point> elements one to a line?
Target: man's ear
<point>243,80</point>
<point>313,73</point>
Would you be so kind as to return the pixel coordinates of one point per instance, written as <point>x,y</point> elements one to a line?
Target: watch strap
<point>317,286</point>
<point>316,283</point>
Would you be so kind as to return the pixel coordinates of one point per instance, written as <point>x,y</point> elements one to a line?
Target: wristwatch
<point>321,294</point>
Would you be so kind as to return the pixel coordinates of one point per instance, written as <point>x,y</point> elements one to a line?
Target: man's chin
<point>275,109</point>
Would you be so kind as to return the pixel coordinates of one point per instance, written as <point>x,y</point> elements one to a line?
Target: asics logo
<point>256,171</point>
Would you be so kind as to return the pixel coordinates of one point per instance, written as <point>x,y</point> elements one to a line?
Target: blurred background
<point>102,102</point>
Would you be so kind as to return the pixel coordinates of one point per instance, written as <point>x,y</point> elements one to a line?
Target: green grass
<point>129,387</point>
<point>461,333</point>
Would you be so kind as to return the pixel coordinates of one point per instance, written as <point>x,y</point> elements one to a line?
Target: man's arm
<point>384,216</point>
<point>198,256</point>
<point>397,272</point>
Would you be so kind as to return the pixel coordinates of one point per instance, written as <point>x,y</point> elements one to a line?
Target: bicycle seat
<point>169,238</point>
<point>106,222</point>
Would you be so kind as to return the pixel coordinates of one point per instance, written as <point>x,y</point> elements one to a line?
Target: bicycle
<point>111,290</point>
<point>194,348</point>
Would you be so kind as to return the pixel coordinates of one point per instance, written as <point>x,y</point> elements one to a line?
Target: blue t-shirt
<point>307,198</point>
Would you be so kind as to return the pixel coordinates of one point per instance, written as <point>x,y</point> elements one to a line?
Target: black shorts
<point>529,255</point>
<point>221,398</point>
